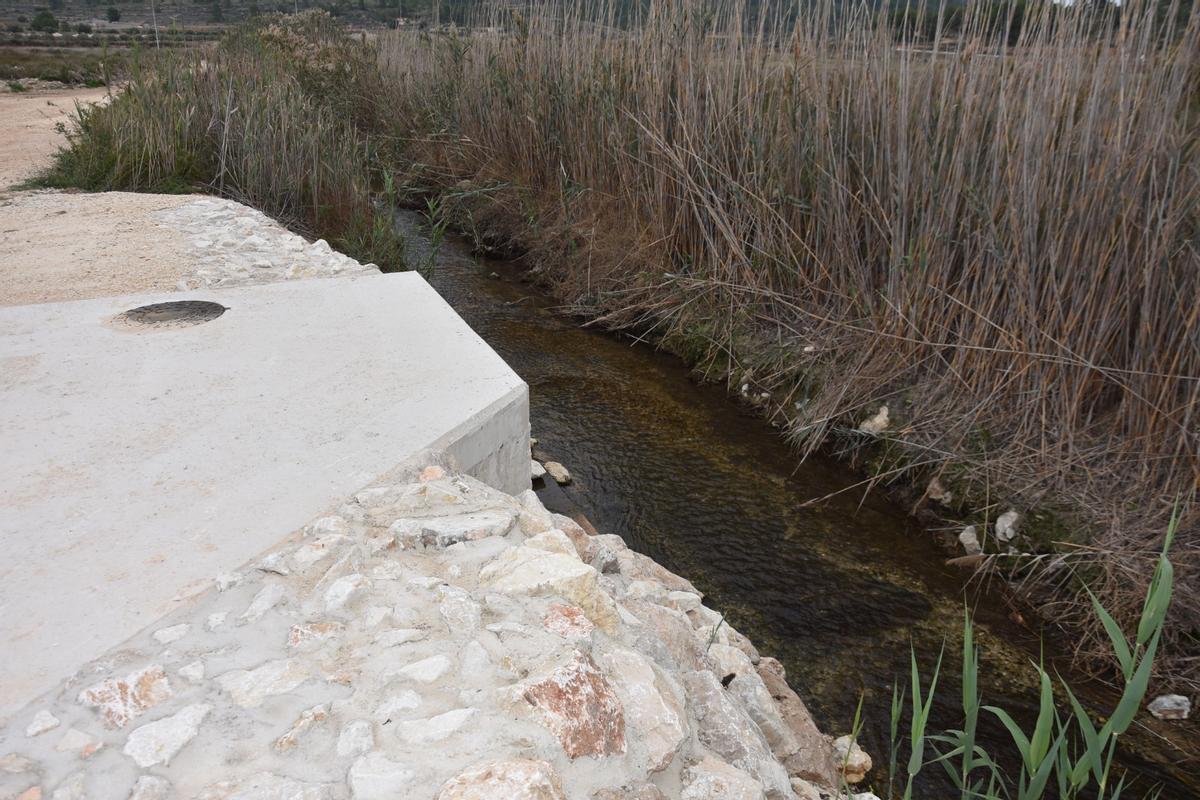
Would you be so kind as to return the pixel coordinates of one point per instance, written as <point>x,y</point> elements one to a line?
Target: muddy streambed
<point>836,591</point>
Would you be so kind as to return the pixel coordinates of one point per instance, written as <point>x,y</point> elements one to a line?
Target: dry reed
<point>993,234</point>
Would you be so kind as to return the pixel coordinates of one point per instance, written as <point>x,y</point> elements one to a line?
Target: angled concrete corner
<point>139,463</point>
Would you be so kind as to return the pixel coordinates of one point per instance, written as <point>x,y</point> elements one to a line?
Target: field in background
<point>993,234</point>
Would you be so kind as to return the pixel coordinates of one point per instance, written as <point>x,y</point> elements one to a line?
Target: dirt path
<point>27,129</point>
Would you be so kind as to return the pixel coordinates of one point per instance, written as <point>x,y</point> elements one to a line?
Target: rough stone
<point>561,474</point>
<point>73,787</point>
<point>427,670</point>
<point>813,758</point>
<point>193,672</point>
<point>357,737</point>
<point>267,598</point>
<point>553,541</point>
<point>376,777</point>
<point>877,423</point>
<point>441,532</point>
<point>304,633</point>
<point>249,688</point>
<point>266,786</point>
<point>121,699</point>
<point>536,470</point>
<point>1006,526</point>
<point>713,779</point>
<point>461,613</point>
<point>577,704</point>
<point>653,704</point>
<point>406,700</point>
<point>638,567</point>
<point>851,760</point>
<point>529,571</point>
<point>171,634</point>
<point>1170,706</point>
<point>969,539</point>
<point>79,742</point>
<point>158,742</point>
<point>435,729</point>
<point>725,729</point>
<point>345,591</point>
<point>42,721</point>
<point>303,724</point>
<point>568,622</point>
<point>514,779</point>
<point>151,787</point>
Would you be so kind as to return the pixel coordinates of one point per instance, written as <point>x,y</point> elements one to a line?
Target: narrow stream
<point>836,591</point>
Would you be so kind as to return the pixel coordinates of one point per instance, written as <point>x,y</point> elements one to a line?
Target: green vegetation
<point>1064,755</point>
<point>254,120</point>
<point>88,67</point>
<point>44,21</point>
<point>113,14</point>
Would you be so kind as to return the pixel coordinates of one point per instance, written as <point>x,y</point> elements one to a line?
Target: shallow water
<point>836,591</point>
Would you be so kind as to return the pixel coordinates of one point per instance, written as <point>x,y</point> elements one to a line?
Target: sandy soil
<point>56,246</point>
<point>65,246</point>
<point>27,134</point>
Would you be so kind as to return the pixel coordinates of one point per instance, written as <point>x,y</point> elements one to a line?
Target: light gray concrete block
<point>136,465</point>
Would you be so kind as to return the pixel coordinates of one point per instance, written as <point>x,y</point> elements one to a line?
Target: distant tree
<point>215,14</point>
<point>113,14</point>
<point>56,5</point>
<point>44,21</point>
<point>252,10</point>
<point>83,27</point>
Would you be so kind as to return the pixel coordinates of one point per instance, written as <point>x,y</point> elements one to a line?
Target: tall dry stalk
<point>995,234</point>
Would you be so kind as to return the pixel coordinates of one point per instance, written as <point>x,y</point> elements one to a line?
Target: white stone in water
<point>42,721</point>
<point>216,620</point>
<point>357,737</point>
<point>1170,706</point>
<point>557,471</point>
<point>345,590</point>
<point>536,470</point>
<point>151,787</point>
<point>193,672</point>
<point>427,670</point>
<point>227,580</point>
<point>376,777</point>
<point>435,729</point>
<point>1006,526</point>
<point>266,599</point>
<point>158,742</point>
<point>171,634</point>
<point>969,540</point>
<point>406,700</point>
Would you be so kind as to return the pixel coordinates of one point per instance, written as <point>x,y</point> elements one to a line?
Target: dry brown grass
<point>997,240</point>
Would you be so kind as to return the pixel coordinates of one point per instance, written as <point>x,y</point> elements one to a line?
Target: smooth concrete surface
<point>138,465</point>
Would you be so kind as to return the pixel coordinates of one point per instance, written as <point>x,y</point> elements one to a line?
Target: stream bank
<point>837,590</point>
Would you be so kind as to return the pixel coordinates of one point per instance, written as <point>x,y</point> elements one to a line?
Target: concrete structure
<point>137,464</point>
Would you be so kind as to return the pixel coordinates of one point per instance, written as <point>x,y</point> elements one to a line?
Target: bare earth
<point>27,135</point>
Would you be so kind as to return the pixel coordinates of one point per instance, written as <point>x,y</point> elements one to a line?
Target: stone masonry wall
<point>436,640</point>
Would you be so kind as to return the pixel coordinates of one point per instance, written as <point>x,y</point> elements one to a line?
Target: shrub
<point>113,14</point>
<point>44,22</point>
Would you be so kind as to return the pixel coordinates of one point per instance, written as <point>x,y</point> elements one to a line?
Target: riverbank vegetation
<point>991,233</point>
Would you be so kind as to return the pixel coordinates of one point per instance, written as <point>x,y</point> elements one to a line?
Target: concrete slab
<point>138,464</point>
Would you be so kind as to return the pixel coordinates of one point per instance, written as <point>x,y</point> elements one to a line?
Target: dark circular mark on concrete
<point>175,314</point>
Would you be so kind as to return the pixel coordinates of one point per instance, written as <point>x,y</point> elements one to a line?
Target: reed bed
<point>993,234</point>
<point>254,119</point>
